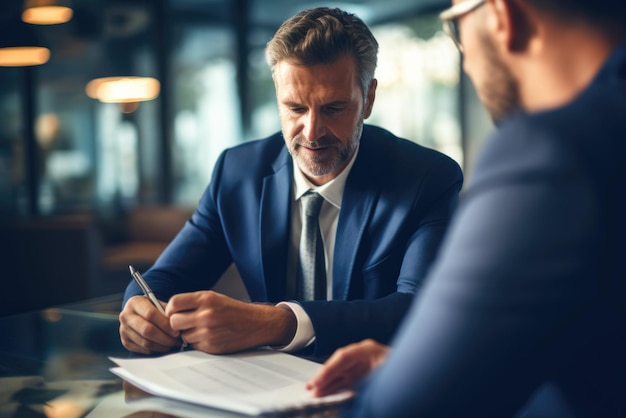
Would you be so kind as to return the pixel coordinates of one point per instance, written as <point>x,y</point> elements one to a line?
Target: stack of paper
<point>253,383</point>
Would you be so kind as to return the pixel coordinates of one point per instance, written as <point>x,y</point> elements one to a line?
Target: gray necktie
<point>311,284</point>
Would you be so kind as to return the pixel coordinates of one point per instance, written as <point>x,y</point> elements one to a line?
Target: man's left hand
<point>217,324</point>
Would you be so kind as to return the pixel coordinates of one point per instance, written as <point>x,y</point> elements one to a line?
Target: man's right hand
<point>143,329</point>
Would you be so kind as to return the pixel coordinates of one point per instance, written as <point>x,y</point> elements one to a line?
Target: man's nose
<point>313,126</point>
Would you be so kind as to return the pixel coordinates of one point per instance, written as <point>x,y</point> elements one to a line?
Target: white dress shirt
<point>332,192</point>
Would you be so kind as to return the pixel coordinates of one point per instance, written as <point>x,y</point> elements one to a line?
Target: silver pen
<point>143,285</point>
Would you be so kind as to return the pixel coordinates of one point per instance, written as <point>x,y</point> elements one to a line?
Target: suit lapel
<point>275,223</point>
<point>357,205</point>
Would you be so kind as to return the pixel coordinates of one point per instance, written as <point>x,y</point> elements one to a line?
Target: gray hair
<point>321,36</point>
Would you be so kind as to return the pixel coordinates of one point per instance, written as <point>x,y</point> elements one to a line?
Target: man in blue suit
<point>387,202</point>
<point>526,304</point>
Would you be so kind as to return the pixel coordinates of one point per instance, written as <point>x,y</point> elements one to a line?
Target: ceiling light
<point>46,12</point>
<point>123,89</point>
<point>23,56</point>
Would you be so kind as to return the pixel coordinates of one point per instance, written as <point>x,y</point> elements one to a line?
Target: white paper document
<point>252,383</point>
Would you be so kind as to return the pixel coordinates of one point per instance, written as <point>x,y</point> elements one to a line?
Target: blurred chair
<point>146,231</point>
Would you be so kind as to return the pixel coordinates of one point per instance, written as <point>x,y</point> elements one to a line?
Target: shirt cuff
<point>305,335</point>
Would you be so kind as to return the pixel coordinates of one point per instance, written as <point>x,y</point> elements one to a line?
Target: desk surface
<point>54,363</point>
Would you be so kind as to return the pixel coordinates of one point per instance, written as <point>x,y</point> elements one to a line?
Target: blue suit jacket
<point>397,203</point>
<point>528,296</point>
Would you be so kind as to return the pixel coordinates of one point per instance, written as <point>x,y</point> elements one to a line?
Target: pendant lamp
<point>46,12</point>
<point>125,89</point>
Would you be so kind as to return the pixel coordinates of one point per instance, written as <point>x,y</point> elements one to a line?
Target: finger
<point>202,339</point>
<point>185,343</point>
<point>212,341</point>
<point>325,383</point>
<point>338,383</point>
<point>344,368</point>
<point>135,342</point>
<point>183,321</point>
<point>333,387</point>
<point>192,301</point>
<point>128,338</point>
<point>144,308</point>
<point>138,333</point>
<point>143,325</point>
<point>336,365</point>
<point>159,333</point>
<point>182,302</point>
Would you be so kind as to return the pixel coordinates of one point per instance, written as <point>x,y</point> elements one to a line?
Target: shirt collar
<point>331,191</point>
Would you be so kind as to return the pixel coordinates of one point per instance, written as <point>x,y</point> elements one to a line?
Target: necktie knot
<point>312,203</point>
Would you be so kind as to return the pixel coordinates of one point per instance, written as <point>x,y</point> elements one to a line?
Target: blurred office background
<point>90,183</point>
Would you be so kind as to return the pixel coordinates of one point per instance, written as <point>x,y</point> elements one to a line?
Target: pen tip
<point>132,270</point>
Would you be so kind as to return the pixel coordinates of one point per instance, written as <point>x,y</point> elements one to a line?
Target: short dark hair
<point>323,35</point>
<point>597,12</point>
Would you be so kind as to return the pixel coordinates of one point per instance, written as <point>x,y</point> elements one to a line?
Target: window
<point>418,80</point>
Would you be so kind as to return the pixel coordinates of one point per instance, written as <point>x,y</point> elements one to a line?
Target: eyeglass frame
<point>450,16</point>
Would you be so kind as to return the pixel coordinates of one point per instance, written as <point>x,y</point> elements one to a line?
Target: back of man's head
<point>598,13</point>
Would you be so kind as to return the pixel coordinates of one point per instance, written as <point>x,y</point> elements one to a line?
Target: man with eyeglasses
<point>524,311</point>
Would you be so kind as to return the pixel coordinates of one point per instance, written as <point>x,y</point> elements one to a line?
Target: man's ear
<point>514,26</point>
<point>369,99</point>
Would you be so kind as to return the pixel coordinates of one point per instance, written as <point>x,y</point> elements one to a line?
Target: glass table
<point>55,363</point>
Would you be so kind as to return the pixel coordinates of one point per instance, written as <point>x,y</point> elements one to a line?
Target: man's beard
<point>321,166</point>
<point>500,92</point>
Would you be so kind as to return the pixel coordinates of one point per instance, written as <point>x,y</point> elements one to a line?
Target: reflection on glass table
<point>54,362</point>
